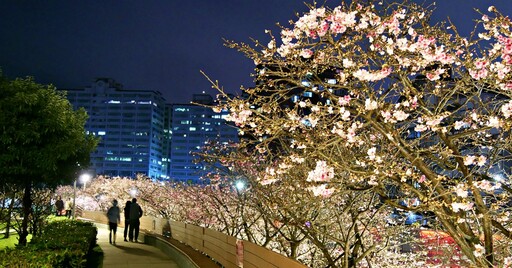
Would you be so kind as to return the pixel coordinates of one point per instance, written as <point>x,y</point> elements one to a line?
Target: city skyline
<point>140,134</point>
<point>156,45</point>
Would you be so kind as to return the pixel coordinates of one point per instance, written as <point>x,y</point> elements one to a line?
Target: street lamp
<point>84,178</point>
<point>134,192</point>
<point>240,185</point>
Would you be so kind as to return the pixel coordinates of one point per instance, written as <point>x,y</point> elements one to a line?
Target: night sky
<point>155,45</point>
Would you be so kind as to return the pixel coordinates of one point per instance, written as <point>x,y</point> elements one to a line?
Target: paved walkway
<point>129,254</point>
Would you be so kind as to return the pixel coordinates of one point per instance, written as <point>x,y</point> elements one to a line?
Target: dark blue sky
<point>155,44</point>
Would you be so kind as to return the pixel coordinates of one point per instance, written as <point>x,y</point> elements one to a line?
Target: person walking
<point>114,217</point>
<point>126,218</point>
<point>135,214</point>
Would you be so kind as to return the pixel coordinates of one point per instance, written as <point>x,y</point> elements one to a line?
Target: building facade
<point>193,126</point>
<point>141,134</point>
<point>130,124</point>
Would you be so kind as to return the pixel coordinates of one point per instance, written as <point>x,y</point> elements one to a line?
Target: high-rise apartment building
<point>130,124</point>
<point>192,126</point>
<point>140,133</point>
<point>166,158</point>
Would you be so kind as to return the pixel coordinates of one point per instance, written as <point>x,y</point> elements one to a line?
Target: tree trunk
<point>27,207</point>
<point>8,217</point>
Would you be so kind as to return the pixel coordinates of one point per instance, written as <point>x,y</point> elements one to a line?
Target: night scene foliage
<point>360,114</point>
<point>42,141</point>
<point>367,107</point>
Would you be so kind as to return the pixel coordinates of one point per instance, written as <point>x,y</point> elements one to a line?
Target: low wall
<point>226,250</point>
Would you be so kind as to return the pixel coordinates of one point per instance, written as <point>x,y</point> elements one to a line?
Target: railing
<point>226,250</point>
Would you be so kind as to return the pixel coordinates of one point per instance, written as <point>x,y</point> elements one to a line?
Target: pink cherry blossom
<point>506,109</point>
<point>371,153</point>
<point>461,191</point>
<point>456,206</point>
<point>239,118</point>
<point>322,172</point>
<point>370,105</point>
<point>469,160</point>
<point>321,190</point>
<point>306,53</point>
<point>420,128</point>
<point>400,115</point>
<point>365,75</point>
<point>345,100</point>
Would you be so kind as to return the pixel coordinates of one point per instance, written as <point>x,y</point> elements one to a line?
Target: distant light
<point>134,192</point>
<point>240,185</point>
<point>306,83</point>
<point>498,177</point>
<point>84,178</point>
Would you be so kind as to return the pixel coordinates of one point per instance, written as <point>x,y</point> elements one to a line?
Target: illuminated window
<point>306,83</point>
<point>308,94</point>
<point>331,81</point>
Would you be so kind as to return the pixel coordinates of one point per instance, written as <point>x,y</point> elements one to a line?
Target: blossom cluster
<point>321,173</point>
<point>375,98</point>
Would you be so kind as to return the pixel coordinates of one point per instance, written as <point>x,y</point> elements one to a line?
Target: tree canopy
<point>43,142</point>
<point>42,138</point>
<point>371,97</point>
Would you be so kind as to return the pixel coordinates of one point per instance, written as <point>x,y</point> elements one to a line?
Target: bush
<point>62,244</point>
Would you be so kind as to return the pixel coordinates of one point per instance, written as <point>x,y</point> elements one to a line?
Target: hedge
<point>61,244</point>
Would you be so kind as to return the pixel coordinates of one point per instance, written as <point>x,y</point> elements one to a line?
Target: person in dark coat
<point>135,214</point>
<point>59,205</point>
<point>126,218</point>
<point>114,217</point>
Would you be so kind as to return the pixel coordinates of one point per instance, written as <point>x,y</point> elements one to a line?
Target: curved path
<point>129,254</point>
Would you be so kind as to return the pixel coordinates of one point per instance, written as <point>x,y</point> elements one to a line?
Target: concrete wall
<point>226,250</point>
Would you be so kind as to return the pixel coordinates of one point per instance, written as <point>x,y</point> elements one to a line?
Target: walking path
<point>129,254</point>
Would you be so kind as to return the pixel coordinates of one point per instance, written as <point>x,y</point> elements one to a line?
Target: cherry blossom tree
<point>317,232</point>
<point>345,229</point>
<point>370,99</point>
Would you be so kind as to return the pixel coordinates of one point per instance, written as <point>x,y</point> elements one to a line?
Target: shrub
<point>62,244</point>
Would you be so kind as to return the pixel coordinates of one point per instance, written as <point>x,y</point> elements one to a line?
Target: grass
<point>12,241</point>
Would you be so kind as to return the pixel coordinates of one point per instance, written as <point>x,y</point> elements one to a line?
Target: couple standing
<point>132,213</point>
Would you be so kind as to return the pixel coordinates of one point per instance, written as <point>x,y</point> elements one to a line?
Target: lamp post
<point>84,178</point>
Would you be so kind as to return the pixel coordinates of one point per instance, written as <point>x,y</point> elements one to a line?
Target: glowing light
<point>134,192</point>
<point>84,178</point>
<point>240,185</point>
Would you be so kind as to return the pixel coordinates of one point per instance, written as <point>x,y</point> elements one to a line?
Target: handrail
<point>227,250</point>
<point>158,241</point>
